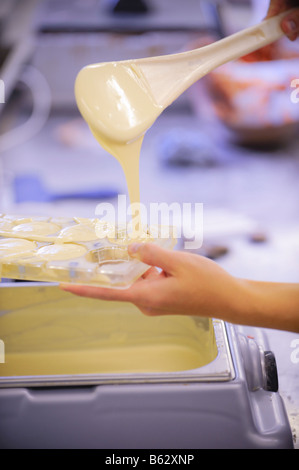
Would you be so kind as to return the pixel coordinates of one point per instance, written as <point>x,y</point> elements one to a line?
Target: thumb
<point>153,255</point>
<point>290,24</point>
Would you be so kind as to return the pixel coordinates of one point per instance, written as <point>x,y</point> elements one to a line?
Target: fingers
<point>290,25</point>
<point>279,6</point>
<point>153,255</point>
<point>151,273</point>
<point>147,253</point>
<point>97,292</point>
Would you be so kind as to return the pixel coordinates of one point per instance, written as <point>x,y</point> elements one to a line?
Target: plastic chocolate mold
<point>73,250</point>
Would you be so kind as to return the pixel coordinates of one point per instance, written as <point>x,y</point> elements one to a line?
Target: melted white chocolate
<point>5,226</point>
<point>119,108</point>
<point>50,333</point>
<point>77,233</point>
<point>36,228</point>
<point>60,252</point>
<point>14,248</point>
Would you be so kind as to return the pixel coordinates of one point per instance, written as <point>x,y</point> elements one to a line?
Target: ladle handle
<point>242,43</point>
<point>188,67</point>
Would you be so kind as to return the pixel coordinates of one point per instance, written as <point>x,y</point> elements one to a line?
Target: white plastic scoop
<point>121,100</point>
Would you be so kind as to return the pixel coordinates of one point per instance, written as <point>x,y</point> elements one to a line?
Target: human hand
<point>185,284</point>
<point>188,284</point>
<point>290,24</point>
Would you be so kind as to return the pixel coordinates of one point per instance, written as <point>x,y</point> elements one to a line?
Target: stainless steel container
<point>81,373</point>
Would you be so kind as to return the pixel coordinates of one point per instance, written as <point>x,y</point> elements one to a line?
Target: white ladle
<point>121,100</point>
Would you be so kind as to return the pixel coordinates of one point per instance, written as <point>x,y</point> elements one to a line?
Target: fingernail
<point>63,286</point>
<point>134,248</point>
<point>291,26</point>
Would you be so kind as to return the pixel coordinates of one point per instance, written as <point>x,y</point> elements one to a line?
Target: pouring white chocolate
<point>121,100</point>
<point>118,108</point>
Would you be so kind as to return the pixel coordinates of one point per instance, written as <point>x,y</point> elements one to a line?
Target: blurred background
<point>230,142</point>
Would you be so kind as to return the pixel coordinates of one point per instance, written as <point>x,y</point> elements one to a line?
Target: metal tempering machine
<point>80,373</point>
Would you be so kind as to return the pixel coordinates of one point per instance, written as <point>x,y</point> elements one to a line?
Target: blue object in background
<point>30,188</point>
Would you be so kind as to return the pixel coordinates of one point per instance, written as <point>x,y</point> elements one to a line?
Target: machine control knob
<point>270,371</point>
<point>130,6</point>
<point>259,365</point>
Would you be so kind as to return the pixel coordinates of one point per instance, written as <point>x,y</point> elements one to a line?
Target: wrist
<point>267,305</point>
<point>245,308</point>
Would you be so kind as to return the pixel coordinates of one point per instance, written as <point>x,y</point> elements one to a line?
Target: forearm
<point>268,305</point>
